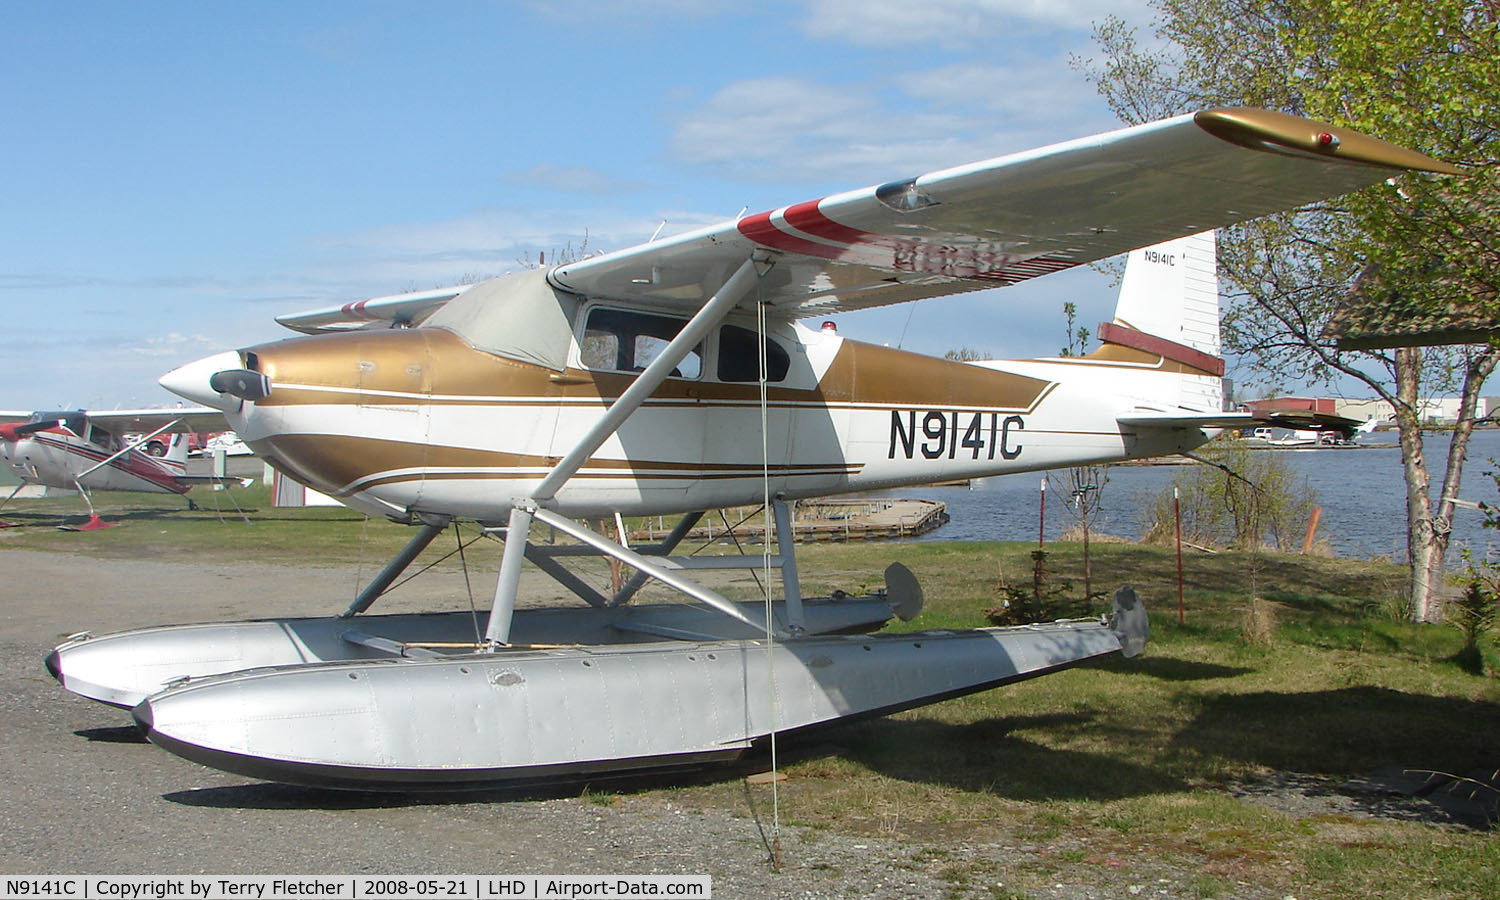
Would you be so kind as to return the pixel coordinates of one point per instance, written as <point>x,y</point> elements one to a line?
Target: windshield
<point>518,316</point>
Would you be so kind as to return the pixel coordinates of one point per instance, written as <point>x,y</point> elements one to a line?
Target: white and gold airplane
<point>675,377</point>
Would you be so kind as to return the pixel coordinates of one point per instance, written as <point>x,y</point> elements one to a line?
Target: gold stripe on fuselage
<point>438,367</point>
<point>432,367</point>
<point>343,464</point>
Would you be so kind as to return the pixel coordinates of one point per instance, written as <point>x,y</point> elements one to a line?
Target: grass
<point>162,527</point>
<point>1113,771</point>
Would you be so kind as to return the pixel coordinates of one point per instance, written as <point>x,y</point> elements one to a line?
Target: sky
<point>176,174</point>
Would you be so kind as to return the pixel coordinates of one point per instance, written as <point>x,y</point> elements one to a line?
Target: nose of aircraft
<point>192,381</point>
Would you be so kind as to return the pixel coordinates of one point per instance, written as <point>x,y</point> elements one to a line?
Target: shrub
<point>1260,505</point>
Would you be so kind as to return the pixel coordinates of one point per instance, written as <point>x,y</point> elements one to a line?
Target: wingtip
<point>1263,129</point>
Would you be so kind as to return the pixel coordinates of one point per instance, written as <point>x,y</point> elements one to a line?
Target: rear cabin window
<point>738,356</point>
<point>620,341</point>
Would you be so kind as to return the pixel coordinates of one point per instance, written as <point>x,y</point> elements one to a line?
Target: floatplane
<point>93,451</point>
<point>675,377</point>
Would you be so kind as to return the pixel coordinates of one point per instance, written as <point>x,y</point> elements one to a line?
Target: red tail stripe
<point>1111,333</point>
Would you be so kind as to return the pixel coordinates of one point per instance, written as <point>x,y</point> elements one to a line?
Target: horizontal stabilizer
<point>226,480</point>
<point>1294,419</point>
<point>1199,420</point>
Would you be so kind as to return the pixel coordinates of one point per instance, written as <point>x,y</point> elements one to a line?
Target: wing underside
<point>191,418</point>
<point>983,225</point>
<point>1008,219</point>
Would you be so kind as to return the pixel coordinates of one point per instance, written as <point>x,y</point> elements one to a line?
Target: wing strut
<point>735,289</point>
<point>631,558</point>
<point>646,383</point>
<point>124,450</point>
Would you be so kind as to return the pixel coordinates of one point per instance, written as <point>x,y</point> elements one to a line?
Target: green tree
<point>1077,335</point>
<point>1421,75</point>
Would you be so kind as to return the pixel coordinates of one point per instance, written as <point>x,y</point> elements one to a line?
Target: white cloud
<point>1026,93</point>
<point>954,23</point>
<point>486,242</point>
<point>171,344</point>
<point>781,129</point>
<point>573,179</point>
<point>639,11</point>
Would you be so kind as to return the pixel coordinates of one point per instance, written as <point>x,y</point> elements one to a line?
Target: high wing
<point>396,310</point>
<point>982,225</point>
<point>1004,220</point>
<point>187,418</point>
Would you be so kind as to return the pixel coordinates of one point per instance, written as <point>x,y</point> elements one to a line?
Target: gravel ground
<point>80,793</point>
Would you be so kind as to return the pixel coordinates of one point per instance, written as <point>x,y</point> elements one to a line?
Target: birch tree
<point>1421,75</point>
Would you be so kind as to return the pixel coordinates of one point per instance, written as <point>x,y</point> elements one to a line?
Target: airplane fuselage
<point>59,457</point>
<point>418,421</point>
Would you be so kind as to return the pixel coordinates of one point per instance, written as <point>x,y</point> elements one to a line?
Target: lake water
<point>1361,492</point>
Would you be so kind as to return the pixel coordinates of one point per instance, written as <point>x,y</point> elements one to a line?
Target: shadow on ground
<point>122,734</point>
<point>1344,732</point>
<point>990,757</point>
<point>1167,668</point>
<point>273,795</point>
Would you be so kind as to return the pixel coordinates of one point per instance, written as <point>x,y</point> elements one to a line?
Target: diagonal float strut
<point>735,289</point>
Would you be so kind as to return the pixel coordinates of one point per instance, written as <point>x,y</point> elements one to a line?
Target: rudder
<point>1171,291</point>
<point>1169,307</point>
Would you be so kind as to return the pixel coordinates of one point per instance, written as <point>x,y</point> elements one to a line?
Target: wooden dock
<point>827,519</point>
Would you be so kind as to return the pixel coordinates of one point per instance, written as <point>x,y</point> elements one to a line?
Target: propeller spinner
<point>219,381</point>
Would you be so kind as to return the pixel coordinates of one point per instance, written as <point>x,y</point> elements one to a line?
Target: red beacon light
<point>828,325</point>
<point>1328,141</point>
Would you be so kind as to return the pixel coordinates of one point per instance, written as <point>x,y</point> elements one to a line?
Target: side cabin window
<point>739,356</point>
<point>623,341</point>
<point>100,437</point>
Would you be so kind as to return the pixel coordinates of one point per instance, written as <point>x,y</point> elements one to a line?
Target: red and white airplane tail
<point>177,454</point>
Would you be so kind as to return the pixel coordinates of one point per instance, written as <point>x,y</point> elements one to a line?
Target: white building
<point>1435,410</point>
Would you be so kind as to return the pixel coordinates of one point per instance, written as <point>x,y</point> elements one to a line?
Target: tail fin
<point>177,451</point>
<point>1169,307</point>
<point>1171,291</point>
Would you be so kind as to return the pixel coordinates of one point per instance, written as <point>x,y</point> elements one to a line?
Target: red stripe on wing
<point>760,229</point>
<point>807,217</point>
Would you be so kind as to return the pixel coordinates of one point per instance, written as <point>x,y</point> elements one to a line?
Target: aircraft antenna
<point>657,232</point>
<point>909,314</point>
